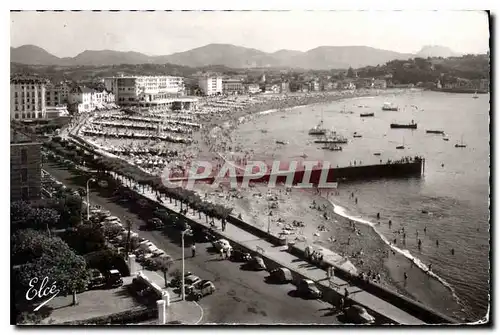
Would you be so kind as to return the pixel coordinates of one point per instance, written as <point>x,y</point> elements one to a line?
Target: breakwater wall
<point>413,167</point>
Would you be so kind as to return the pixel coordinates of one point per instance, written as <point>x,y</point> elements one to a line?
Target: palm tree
<point>163,264</point>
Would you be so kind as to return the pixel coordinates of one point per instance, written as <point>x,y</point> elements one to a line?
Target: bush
<point>127,317</point>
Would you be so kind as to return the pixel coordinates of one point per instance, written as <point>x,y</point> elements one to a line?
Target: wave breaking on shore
<point>339,210</point>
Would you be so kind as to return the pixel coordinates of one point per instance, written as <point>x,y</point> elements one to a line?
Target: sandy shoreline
<point>320,226</point>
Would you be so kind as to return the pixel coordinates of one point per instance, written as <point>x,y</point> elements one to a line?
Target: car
<point>307,289</point>
<point>201,289</point>
<point>359,315</point>
<point>112,219</point>
<point>280,275</point>
<point>190,282</point>
<point>97,280</point>
<point>114,278</point>
<point>256,264</point>
<point>154,224</point>
<point>222,244</point>
<point>238,255</point>
<point>158,253</point>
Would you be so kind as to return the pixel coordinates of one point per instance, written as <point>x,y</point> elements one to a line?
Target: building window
<point>39,115</point>
<point>33,114</point>
<point>25,193</point>
<point>16,116</point>
<point>24,175</point>
<point>24,156</point>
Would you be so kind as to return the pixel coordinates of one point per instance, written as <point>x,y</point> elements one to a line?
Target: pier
<point>410,167</point>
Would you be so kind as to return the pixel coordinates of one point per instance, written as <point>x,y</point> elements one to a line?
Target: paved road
<point>241,296</point>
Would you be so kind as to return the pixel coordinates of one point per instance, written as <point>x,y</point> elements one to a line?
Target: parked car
<point>201,289</point>
<point>222,244</point>
<point>97,280</point>
<point>202,235</point>
<point>176,282</point>
<point>238,255</point>
<point>281,275</point>
<point>359,315</point>
<point>191,281</point>
<point>307,289</point>
<point>114,278</point>
<point>256,264</point>
<point>154,224</point>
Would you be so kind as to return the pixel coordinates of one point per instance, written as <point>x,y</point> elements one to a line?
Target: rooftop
<point>25,79</point>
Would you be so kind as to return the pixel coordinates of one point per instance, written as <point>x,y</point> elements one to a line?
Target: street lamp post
<point>88,198</point>
<point>183,290</point>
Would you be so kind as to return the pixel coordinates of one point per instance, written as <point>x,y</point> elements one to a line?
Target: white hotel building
<point>210,85</point>
<point>144,90</point>
<point>27,98</point>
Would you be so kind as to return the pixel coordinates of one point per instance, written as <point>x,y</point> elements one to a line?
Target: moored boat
<point>435,132</point>
<point>333,139</point>
<point>367,114</point>
<point>411,125</point>
<point>389,107</point>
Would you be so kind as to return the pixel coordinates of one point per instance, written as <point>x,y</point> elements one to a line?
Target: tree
<point>111,231</point>
<point>350,73</point>
<point>42,256</point>
<point>24,215</point>
<point>85,238</point>
<point>162,264</point>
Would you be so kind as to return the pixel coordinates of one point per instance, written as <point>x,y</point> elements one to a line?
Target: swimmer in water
<point>437,243</point>
<point>390,223</point>
<point>395,241</point>
<point>453,251</point>
<point>419,243</point>
<point>425,230</point>
<point>378,215</point>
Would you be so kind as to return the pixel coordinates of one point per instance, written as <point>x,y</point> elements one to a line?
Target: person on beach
<point>390,223</point>
<point>453,251</point>
<point>378,216</point>
<point>346,293</point>
<point>425,230</point>
<point>406,277</point>
<point>193,250</point>
<point>395,241</point>
<point>430,267</point>
<point>437,243</point>
<point>356,201</point>
<point>419,243</point>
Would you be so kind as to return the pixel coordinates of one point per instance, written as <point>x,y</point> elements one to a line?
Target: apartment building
<point>135,90</point>
<point>25,166</point>
<point>232,86</point>
<point>211,85</point>
<point>27,98</point>
<point>57,94</point>
<point>81,99</point>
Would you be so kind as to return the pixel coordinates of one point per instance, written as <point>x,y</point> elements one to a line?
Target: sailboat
<point>475,95</point>
<point>461,144</point>
<point>401,146</point>
<point>318,129</point>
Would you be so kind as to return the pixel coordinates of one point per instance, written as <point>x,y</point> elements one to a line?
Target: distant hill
<point>324,57</point>
<point>31,54</point>
<point>437,51</point>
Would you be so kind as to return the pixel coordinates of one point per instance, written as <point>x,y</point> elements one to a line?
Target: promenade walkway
<point>280,255</point>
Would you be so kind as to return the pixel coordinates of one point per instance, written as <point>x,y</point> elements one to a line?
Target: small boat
<point>402,146</point>
<point>435,132</point>
<point>461,144</point>
<point>334,138</point>
<point>475,96</point>
<point>332,147</point>
<point>411,125</point>
<point>281,142</point>
<point>263,131</point>
<point>376,153</point>
<point>446,139</point>
<point>367,114</point>
<point>357,135</point>
<point>318,129</point>
<point>389,107</point>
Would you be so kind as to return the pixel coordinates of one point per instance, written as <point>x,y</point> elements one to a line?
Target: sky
<point>66,34</point>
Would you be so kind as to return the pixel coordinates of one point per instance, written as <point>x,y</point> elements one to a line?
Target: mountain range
<point>320,58</point>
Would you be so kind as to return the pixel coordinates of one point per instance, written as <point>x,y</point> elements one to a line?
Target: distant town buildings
<point>232,86</point>
<point>210,85</point>
<point>138,90</point>
<point>27,98</point>
<point>25,166</point>
<point>253,88</point>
